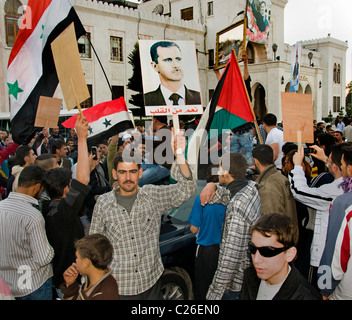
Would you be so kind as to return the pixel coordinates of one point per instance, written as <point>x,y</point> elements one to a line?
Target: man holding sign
<point>130,217</point>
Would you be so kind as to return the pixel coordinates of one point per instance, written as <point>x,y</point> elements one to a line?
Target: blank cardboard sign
<point>48,112</point>
<point>297,116</point>
<point>69,68</point>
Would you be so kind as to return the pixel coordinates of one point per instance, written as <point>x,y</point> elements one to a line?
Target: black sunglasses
<point>266,252</point>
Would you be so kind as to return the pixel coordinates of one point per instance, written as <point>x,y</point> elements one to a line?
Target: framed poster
<point>258,20</point>
<point>170,77</point>
<point>233,37</point>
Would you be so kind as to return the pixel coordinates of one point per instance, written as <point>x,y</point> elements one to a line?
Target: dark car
<point>177,248</point>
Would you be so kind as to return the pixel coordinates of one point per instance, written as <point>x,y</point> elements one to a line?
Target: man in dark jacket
<point>62,213</point>
<point>273,187</point>
<point>273,276</point>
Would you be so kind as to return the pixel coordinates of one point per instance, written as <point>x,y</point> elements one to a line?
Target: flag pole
<point>251,107</point>
<point>244,51</point>
<point>77,101</point>
<point>101,65</point>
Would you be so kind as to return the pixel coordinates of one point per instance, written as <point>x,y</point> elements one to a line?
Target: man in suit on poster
<point>167,61</point>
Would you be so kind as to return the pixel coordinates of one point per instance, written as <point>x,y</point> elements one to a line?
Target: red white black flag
<point>105,120</point>
<point>31,70</point>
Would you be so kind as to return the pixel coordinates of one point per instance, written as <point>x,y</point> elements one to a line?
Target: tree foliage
<point>135,82</point>
<point>349,98</point>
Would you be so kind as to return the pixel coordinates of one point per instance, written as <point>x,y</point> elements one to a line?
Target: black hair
<point>57,144</point>
<point>163,44</point>
<point>21,153</point>
<point>162,119</point>
<point>270,119</point>
<point>288,146</point>
<point>30,176</point>
<point>336,152</point>
<point>327,140</point>
<point>347,153</point>
<point>264,154</point>
<point>127,156</point>
<point>55,181</point>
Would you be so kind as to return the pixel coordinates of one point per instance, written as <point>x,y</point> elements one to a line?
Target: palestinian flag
<point>31,70</point>
<point>105,120</point>
<point>229,108</point>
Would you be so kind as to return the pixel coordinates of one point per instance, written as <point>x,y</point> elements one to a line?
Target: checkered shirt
<point>136,261</point>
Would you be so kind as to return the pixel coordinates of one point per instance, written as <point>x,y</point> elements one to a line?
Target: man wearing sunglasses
<point>273,277</point>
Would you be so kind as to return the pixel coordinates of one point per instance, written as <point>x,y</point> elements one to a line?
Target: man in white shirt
<point>25,250</point>
<point>347,132</point>
<point>340,125</point>
<point>275,138</point>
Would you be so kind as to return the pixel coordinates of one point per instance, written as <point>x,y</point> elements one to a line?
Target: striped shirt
<point>242,211</point>
<point>25,253</point>
<point>136,263</point>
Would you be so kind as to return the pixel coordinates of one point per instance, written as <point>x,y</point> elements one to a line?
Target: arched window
<point>335,73</point>
<point>11,20</point>
<point>338,74</point>
<point>308,89</point>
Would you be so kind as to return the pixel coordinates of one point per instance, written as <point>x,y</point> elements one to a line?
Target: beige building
<point>113,30</point>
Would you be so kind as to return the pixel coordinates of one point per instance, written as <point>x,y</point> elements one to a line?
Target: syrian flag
<point>31,70</point>
<point>229,108</point>
<point>105,120</point>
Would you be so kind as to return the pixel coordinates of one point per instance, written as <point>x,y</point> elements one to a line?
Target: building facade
<point>114,29</point>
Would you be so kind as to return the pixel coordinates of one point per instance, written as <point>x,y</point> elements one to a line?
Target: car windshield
<point>184,210</point>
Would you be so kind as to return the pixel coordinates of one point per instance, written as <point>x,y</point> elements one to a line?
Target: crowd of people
<point>82,222</point>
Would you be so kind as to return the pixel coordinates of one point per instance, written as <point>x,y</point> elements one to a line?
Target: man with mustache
<point>130,217</point>
<point>167,62</point>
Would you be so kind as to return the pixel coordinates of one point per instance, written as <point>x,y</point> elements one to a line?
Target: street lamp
<point>274,50</point>
<point>310,57</point>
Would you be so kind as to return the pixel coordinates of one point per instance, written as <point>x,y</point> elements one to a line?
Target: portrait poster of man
<point>258,20</point>
<point>231,38</point>
<point>295,66</point>
<point>170,77</point>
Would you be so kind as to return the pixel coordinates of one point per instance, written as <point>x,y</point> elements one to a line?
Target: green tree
<point>349,99</point>
<point>135,82</point>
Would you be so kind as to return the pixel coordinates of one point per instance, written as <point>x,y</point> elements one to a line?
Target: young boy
<point>272,277</point>
<point>94,253</point>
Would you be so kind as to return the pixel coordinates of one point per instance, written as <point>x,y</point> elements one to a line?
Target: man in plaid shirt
<point>243,209</point>
<point>130,217</point>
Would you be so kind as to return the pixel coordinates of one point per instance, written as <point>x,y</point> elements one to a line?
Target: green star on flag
<point>41,37</point>
<point>107,123</point>
<point>14,89</point>
<point>90,130</point>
